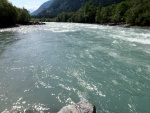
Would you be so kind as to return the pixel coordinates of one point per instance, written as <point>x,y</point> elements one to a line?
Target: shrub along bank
<point>11,15</point>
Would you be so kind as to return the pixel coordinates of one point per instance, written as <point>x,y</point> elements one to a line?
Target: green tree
<point>139,15</point>
<point>89,11</point>
<point>105,14</point>
<point>24,16</point>
<point>98,16</point>
<point>8,13</point>
<point>120,11</point>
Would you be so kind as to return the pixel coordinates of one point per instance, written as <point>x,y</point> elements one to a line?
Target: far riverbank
<point>18,25</point>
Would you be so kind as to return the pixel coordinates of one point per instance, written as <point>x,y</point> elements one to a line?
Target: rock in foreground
<point>81,107</point>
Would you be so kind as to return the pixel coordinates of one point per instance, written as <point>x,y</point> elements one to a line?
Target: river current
<point>45,67</point>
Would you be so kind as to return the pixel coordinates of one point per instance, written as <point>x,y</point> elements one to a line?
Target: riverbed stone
<point>81,107</point>
<point>15,111</point>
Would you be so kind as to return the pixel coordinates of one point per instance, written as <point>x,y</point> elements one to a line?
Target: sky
<point>30,5</point>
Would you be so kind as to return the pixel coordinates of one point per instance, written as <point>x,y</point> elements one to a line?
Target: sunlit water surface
<point>46,67</point>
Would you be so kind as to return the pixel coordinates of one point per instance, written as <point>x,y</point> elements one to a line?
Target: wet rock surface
<point>81,107</point>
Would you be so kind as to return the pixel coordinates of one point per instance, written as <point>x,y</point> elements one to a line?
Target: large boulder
<point>81,107</point>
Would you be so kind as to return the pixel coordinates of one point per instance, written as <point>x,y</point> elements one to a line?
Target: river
<point>45,67</point>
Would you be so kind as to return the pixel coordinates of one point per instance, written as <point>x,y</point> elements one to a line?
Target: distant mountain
<point>59,6</point>
<point>44,6</point>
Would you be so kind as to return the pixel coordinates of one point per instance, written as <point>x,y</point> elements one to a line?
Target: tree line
<point>133,12</point>
<point>11,15</point>
<point>59,6</point>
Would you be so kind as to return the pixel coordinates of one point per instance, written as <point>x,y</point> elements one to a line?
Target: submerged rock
<point>15,111</point>
<point>81,107</point>
<point>36,23</point>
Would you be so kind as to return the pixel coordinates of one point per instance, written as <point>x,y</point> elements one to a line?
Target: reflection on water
<point>6,38</point>
<point>44,68</point>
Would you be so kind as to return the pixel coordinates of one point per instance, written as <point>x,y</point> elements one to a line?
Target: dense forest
<point>11,15</point>
<point>59,6</point>
<point>133,12</point>
<point>44,6</point>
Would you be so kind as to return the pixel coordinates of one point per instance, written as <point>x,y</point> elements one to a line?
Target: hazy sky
<point>31,5</point>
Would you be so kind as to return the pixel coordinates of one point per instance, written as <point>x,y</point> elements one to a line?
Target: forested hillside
<point>59,6</point>
<point>10,15</point>
<point>133,12</point>
<point>44,6</point>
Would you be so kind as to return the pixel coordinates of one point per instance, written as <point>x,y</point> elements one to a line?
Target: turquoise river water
<point>46,67</point>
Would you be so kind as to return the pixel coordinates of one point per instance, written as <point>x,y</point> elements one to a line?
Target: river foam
<point>44,68</point>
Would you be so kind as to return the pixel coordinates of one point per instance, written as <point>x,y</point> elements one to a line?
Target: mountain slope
<point>59,6</point>
<point>44,6</point>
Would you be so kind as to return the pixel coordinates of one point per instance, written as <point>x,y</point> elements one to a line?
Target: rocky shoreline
<point>20,24</point>
<point>35,23</point>
<point>126,25</point>
<point>81,107</point>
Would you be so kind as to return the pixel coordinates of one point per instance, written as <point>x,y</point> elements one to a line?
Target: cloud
<point>31,7</point>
